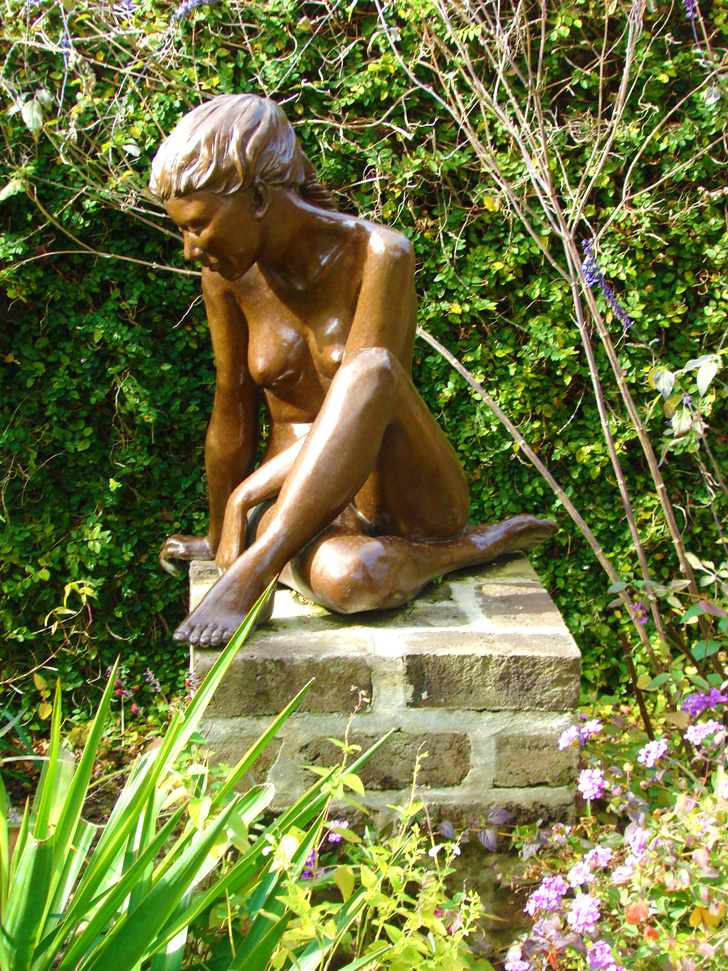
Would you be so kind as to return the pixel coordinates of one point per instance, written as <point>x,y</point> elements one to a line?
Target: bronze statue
<point>367,499</point>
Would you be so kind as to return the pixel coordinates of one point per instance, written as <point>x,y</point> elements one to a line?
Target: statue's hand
<point>178,547</point>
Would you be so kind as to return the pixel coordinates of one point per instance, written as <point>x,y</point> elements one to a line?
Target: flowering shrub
<point>639,882</point>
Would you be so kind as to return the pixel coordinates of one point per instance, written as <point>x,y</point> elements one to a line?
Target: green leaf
<point>344,880</point>
<point>32,114</point>
<point>664,381</point>
<point>239,770</point>
<point>658,681</point>
<point>617,587</point>
<point>11,188</point>
<point>132,937</point>
<point>353,782</point>
<point>706,373</point>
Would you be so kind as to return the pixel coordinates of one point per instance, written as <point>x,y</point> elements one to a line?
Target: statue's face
<point>223,232</point>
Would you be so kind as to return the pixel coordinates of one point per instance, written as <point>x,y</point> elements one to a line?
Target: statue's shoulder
<point>386,243</point>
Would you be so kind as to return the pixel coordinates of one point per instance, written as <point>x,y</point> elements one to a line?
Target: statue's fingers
<point>168,565</point>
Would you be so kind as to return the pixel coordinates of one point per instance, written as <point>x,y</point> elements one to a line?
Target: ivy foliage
<point>107,369</point>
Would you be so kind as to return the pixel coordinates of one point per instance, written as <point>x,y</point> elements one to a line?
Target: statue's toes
<point>204,633</point>
<point>217,636</point>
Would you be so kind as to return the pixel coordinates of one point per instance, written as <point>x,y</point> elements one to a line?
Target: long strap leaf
<point>132,938</point>
<point>102,909</point>
<point>254,751</point>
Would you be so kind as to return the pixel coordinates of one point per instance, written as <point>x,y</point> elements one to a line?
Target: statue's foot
<point>179,547</point>
<point>221,611</point>
<point>510,536</point>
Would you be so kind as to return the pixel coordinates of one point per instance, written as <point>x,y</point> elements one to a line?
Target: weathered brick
<point>532,760</point>
<point>263,679</point>
<point>447,762</point>
<point>482,671</point>
<point>228,747</point>
<point>549,805</point>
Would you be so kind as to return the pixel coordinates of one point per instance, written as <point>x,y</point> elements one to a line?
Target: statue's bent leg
<point>373,442</point>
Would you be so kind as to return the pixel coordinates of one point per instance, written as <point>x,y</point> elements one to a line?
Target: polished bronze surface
<point>316,310</point>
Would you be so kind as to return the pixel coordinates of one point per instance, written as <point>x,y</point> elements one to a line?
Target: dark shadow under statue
<point>367,501</point>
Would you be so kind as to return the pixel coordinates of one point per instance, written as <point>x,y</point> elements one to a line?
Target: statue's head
<point>228,144</point>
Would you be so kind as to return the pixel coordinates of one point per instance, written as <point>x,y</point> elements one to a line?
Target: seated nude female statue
<point>316,310</point>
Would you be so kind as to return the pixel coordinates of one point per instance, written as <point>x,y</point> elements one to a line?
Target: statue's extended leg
<point>348,573</point>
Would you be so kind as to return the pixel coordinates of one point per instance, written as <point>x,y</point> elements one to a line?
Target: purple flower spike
<point>595,277</point>
<point>186,8</point>
<point>338,824</point>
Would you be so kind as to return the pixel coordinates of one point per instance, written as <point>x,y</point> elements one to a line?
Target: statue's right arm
<point>232,435</point>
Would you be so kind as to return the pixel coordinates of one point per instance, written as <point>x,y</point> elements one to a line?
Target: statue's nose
<point>191,250</point>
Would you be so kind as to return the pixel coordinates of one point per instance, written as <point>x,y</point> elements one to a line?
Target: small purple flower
<point>568,737</point>
<point>599,957</point>
<point>652,752</point>
<point>309,867</point>
<point>559,832</point>
<point>584,914</point>
<point>691,9</point>
<point>697,734</point>
<point>152,681</point>
<point>622,874</point>
<point>595,277</point>
<point>517,966</point>
<point>636,839</point>
<point>590,729</point>
<point>579,874</point>
<point>548,896</point>
<point>591,783</point>
<point>600,856</point>
<point>638,612</point>
<point>339,824</point>
<point>186,8</point>
<point>699,702</point>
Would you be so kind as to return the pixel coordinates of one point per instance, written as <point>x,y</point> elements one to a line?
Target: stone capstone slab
<point>479,671</point>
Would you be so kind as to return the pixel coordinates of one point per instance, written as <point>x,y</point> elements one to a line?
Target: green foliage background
<point>107,370</point>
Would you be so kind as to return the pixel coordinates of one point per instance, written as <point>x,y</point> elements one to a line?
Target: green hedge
<point>107,370</point>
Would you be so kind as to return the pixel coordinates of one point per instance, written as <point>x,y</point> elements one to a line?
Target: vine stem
<point>566,502</point>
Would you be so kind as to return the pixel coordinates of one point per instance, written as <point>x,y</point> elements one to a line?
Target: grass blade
<point>214,676</point>
<point>132,938</point>
<point>254,751</point>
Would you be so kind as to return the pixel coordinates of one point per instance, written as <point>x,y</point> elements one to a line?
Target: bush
<point>106,361</point>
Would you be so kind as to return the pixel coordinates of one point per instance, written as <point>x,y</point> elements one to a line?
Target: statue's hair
<point>229,142</point>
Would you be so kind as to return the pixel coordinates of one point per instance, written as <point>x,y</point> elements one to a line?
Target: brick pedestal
<point>480,672</point>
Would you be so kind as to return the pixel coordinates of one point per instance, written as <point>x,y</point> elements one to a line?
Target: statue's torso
<point>297,338</point>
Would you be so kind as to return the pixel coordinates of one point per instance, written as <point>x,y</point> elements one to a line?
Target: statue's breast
<point>292,346</point>
<point>278,355</point>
